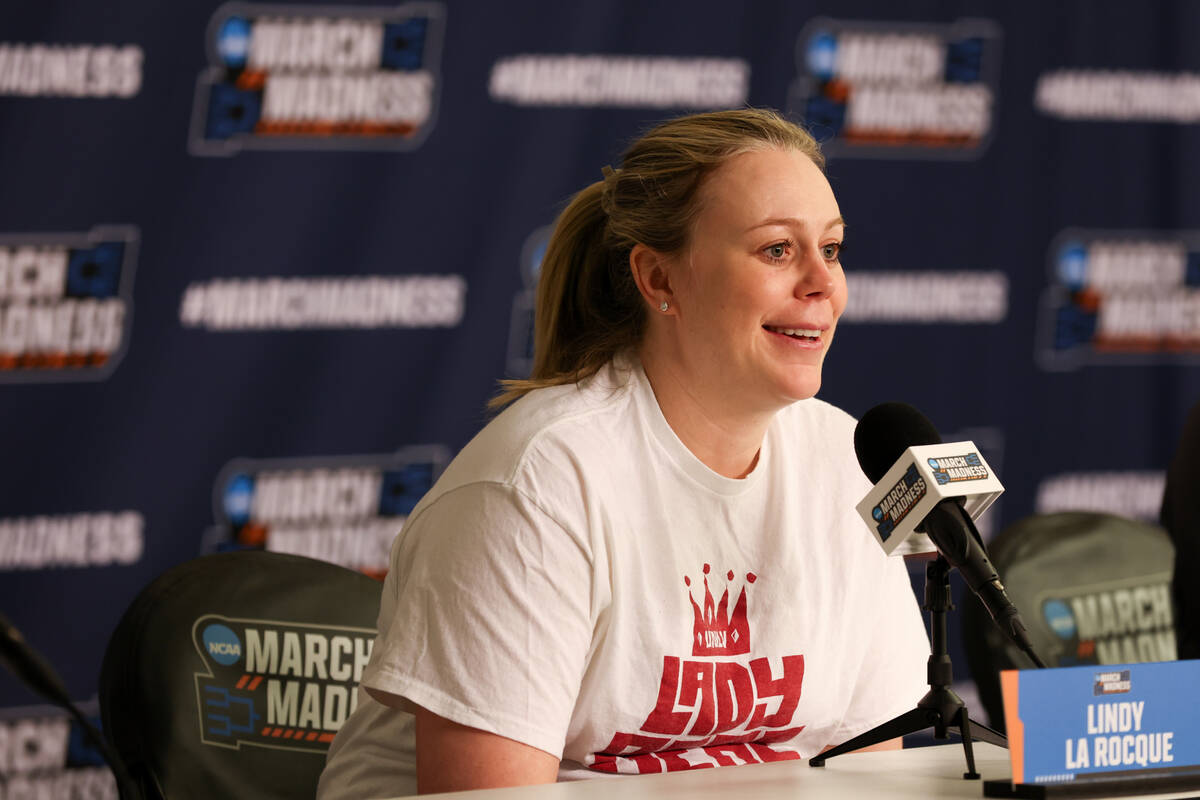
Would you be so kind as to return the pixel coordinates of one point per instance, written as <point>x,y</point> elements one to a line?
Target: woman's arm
<point>453,757</point>
<point>889,744</point>
<point>483,570</point>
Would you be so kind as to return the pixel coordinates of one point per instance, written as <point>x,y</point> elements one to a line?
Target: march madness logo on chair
<point>276,684</point>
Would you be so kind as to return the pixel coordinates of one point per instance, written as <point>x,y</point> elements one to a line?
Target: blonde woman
<point>650,559</point>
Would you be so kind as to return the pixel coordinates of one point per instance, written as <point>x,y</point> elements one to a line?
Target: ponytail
<point>588,307</point>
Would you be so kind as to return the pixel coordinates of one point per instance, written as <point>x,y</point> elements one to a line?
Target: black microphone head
<point>886,431</point>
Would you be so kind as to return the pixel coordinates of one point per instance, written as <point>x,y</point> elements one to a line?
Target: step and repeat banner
<point>262,264</point>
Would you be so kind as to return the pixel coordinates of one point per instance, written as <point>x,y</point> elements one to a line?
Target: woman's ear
<point>652,274</point>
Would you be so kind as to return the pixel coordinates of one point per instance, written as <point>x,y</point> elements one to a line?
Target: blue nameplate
<point>1102,721</point>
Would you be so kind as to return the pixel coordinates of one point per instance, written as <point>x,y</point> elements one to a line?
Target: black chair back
<point>1092,588</point>
<point>228,675</point>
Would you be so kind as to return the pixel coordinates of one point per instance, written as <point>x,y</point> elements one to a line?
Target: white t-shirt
<point>577,580</point>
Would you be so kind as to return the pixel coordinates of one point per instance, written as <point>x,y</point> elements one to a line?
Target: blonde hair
<point>588,308</point>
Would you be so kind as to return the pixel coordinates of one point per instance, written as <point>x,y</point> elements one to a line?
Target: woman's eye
<point>831,251</point>
<point>777,251</point>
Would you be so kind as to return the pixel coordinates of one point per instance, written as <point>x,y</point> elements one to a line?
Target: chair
<point>1180,515</point>
<point>1092,588</point>
<point>228,675</point>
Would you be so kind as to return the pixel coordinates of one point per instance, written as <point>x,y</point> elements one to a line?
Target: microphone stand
<point>940,708</point>
<point>35,672</point>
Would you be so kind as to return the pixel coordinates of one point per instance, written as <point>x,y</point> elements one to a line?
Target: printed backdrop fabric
<point>262,264</point>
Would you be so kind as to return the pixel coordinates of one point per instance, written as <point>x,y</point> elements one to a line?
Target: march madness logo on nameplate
<point>711,711</point>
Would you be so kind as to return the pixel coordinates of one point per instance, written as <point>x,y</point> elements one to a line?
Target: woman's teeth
<point>799,333</point>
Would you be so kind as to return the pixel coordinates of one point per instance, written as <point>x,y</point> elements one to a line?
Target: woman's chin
<point>797,388</point>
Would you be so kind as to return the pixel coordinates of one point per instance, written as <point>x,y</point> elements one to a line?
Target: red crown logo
<point>715,632</point>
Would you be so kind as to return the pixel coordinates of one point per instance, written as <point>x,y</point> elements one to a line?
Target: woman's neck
<point>727,440</point>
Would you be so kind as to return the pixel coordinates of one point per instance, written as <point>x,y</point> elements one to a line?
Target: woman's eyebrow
<point>794,222</point>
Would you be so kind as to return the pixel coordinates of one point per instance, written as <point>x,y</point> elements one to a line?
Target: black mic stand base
<point>940,709</point>
<point>922,717</point>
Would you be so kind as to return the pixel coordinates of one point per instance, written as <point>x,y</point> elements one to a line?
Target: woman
<point>650,561</point>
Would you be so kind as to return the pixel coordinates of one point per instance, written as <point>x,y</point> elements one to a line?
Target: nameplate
<point>1102,722</point>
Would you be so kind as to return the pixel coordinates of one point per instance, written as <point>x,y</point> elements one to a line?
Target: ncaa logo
<point>233,41</point>
<point>1059,617</point>
<point>1072,265</point>
<point>822,54</point>
<point>222,644</point>
<point>238,498</point>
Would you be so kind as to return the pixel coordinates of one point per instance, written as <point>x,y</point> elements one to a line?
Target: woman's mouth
<point>805,334</point>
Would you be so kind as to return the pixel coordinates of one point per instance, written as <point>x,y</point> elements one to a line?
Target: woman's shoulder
<point>814,432</point>
<point>566,419</point>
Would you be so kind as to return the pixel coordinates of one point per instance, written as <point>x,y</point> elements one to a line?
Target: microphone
<point>922,484</point>
<point>35,672</point>
<point>28,664</point>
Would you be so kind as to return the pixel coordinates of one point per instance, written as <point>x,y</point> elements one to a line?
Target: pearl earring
<point>663,306</point>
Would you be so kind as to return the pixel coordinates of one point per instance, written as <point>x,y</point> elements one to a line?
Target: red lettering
<point>756,735</point>
<point>643,763</point>
<point>631,745</point>
<point>664,719</point>
<point>633,753</point>
<point>696,689</point>
<point>647,763</point>
<point>603,763</point>
<point>719,696</point>
<point>787,687</point>
<point>675,761</point>
<point>767,737</point>
<point>733,738</point>
<point>732,755</point>
<point>768,754</point>
<point>734,695</point>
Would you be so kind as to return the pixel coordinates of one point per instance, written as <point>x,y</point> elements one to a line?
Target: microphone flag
<point>922,477</point>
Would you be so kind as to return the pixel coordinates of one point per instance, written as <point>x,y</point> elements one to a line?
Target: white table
<point>917,774</point>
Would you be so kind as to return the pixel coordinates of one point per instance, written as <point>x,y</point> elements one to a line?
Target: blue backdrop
<point>261,265</point>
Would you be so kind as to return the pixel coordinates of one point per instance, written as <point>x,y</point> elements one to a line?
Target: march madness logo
<point>955,469</point>
<point>66,303</point>
<point>315,77</point>
<point>276,684</point>
<point>1112,683</point>
<point>45,753</point>
<point>1120,297</point>
<point>1116,622</point>
<point>898,90</point>
<point>713,712</point>
<point>341,509</point>
<point>898,502</point>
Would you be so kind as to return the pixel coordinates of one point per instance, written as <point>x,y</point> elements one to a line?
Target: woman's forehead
<point>761,185</point>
